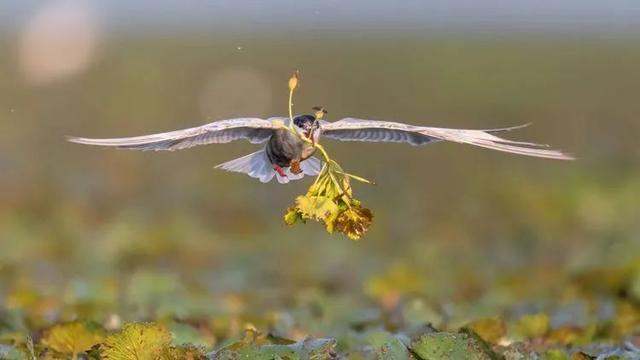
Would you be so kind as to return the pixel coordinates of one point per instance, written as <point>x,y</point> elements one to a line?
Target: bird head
<point>306,122</point>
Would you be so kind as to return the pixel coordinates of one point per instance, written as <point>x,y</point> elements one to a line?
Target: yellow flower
<point>292,216</point>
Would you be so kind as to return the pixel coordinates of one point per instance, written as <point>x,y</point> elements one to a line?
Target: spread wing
<point>352,129</point>
<point>253,129</point>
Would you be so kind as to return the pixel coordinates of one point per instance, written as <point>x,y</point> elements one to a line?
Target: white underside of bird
<point>257,165</point>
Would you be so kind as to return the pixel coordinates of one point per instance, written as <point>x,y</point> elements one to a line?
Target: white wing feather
<point>252,129</point>
<point>352,129</point>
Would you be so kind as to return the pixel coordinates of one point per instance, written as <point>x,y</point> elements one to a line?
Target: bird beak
<point>310,130</point>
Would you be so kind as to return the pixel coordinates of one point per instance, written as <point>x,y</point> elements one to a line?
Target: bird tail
<point>257,165</point>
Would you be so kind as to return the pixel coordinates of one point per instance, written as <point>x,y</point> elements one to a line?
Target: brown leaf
<point>354,222</point>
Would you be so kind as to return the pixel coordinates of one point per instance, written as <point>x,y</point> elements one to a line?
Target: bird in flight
<point>287,157</point>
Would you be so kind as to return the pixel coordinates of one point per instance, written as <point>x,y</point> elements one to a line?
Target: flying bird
<point>287,157</point>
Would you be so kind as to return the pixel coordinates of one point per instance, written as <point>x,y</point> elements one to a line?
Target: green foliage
<point>8,352</point>
<point>254,346</point>
<point>386,346</point>
<point>441,346</point>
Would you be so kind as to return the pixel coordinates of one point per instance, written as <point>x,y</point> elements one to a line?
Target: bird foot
<point>279,170</point>
<point>294,167</point>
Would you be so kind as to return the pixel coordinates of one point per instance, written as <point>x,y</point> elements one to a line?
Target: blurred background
<point>463,232</point>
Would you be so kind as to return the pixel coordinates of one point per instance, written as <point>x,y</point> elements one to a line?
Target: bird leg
<point>279,170</point>
<point>294,167</point>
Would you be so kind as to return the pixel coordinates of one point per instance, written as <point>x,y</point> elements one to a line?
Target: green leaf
<point>8,352</point>
<point>387,346</point>
<point>555,354</point>
<point>187,334</point>
<point>305,349</point>
<point>444,346</point>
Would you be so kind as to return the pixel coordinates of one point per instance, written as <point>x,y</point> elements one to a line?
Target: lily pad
<point>445,345</point>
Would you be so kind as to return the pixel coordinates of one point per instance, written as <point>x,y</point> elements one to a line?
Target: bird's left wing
<point>352,129</point>
<point>252,129</point>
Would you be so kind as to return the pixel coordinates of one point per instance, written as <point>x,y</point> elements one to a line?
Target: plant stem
<point>331,165</point>
<point>291,109</point>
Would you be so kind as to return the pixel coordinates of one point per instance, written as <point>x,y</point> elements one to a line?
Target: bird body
<point>284,147</point>
<point>288,157</point>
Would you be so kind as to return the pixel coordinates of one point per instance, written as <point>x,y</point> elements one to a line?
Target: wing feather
<point>252,129</point>
<point>352,129</point>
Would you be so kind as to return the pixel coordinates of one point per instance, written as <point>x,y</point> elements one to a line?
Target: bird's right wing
<point>252,129</point>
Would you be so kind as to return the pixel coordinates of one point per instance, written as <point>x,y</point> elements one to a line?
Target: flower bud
<point>293,81</point>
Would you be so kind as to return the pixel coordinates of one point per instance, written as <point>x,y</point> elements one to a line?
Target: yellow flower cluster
<point>329,200</point>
